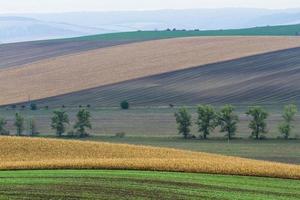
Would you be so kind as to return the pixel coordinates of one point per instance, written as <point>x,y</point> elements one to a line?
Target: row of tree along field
<point>226,118</point>
<point>33,106</point>
<point>207,121</point>
<point>59,122</point>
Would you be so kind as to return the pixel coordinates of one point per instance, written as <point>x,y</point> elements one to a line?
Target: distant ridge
<point>282,30</point>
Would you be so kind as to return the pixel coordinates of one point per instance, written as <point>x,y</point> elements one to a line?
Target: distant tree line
<point>174,29</point>
<point>59,123</point>
<point>33,106</point>
<point>209,118</point>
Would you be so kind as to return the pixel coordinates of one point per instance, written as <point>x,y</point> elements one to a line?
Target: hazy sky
<point>17,6</point>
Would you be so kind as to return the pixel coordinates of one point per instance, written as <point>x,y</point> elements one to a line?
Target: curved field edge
<point>15,54</point>
<point>52,77</point>
<point>115,184</point>
<point>283,30</point>
<point>18,54</point>
<point>259,79</point>
<point>28,153</point>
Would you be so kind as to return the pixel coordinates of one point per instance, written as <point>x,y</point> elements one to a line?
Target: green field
<point>285,30</point>
<point>271,150</point>
<point>100,184</point>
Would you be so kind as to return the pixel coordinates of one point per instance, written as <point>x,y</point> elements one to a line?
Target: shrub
<point>120,135</point>
<point>124,105</point>
<point>71,134</point>
<point>33,106</point>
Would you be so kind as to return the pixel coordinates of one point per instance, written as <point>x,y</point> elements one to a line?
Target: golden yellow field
<point>29,153</point>
<point>70,73</point>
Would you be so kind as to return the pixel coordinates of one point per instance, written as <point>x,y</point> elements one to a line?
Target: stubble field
<point>32,153</point>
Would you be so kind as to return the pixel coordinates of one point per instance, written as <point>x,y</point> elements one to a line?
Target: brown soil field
<point>253,80</point>
<point>22,53</point>
<point>71,73</point>
<point>28,153</point>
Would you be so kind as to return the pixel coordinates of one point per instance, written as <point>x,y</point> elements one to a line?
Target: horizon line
<point>145,10</point>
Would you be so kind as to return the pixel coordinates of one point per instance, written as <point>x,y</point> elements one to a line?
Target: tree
<point>288,116</point>
<point>124,105</point>
<point>19,123</point>
<point>59,121</point>
<point>3,130</point>
<point>83,122</point>
<point>228,120</point>
<point>258,123</point>
<point>184,122</point>
<point>32,127</point>
<point>207,119</point>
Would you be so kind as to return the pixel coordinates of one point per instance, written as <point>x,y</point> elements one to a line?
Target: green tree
<point>228,120</point>
<point>288,116</point>
<point>83,122</point>
<point>258,123</point>
<point>59,122</point>
<point>184,122</point>
<point>207,119</point>
<point>125,105</point>
<point>19,123</point>
<point>3,130</point>
<point>32,127</point>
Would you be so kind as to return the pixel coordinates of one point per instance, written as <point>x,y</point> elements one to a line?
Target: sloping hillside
<point>72,73</point>
<point>18,54</point>
<point>26,153</point>
<point>15,54</point>
<point>271,78</point>
<point>282,30</point>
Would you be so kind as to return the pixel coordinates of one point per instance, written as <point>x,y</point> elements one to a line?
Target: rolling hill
<point>17,29</point>
<point>28,153</point>
<point>260,79</point>
<point>280,30</point>
<point>90,69</point>
<point>14,54</point>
